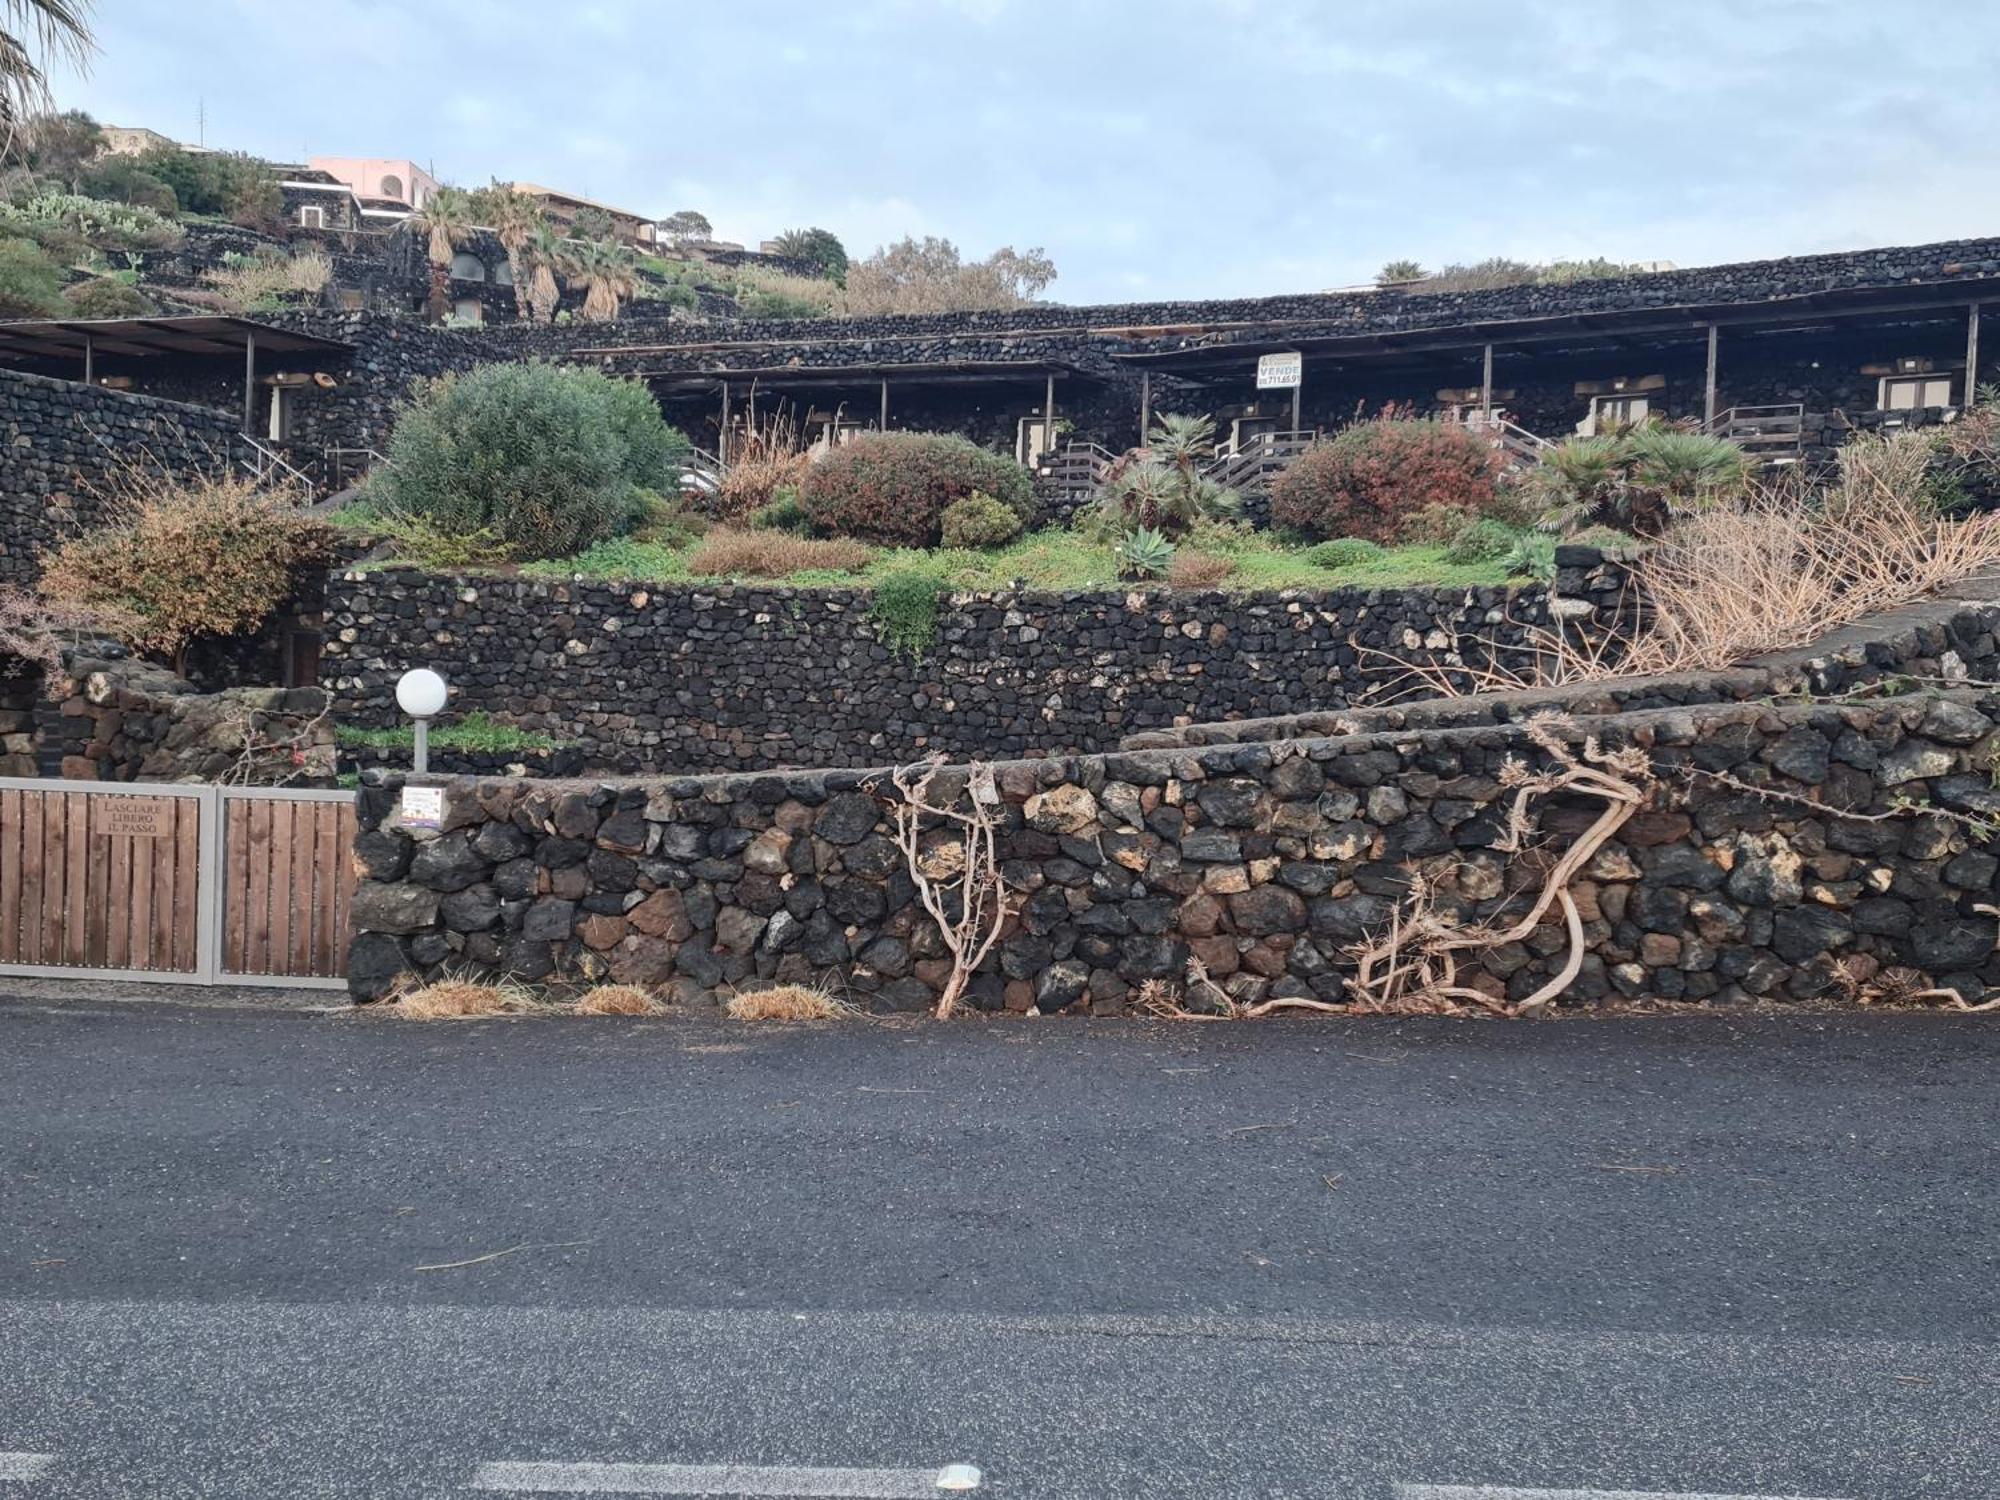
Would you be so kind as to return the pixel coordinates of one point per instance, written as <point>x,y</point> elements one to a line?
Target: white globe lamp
<point>421,694</point>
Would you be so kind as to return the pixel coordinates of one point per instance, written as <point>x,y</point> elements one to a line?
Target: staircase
<point>1071,475</point>
<point>701,473</point>
<point>1768,434</point>
<point>275,472</point>
<point>1519,448</point>
<point>1251,468</point>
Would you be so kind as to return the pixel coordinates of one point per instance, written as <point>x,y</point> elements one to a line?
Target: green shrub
<point>978,522</point>
<point>1166,491</point>
<point>904,608</point>
<point>894,486</point>
<point>1533,556</point>
<point>663,520</point>
<point>30,283</point>
<point>1365,480</point>
<point>546,457</point>
<point>784,513</point>
<point>108,297</point>
<point>420,540</point>
<point>1482,541</point>
<point>1343,552</point>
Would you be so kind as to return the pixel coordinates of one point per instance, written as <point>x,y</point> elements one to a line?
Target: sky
<point>1154,148</point>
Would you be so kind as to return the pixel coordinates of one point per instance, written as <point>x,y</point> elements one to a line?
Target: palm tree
<point>547,253</point>
<point>514,216</point>
<point>447,218</point>
<point>32,34</point>
<point>606,273</point>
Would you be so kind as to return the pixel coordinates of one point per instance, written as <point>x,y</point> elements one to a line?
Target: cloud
<point>1156,147</point>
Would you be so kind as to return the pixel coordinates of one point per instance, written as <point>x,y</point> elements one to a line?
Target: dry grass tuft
<point>457,998</point>
<point>1198,570</point>
<point>729,553</point>
<point>617,1000</point>
<point>788,1002</point>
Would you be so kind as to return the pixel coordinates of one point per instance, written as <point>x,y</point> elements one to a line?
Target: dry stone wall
<point>1785,852</point>
<point>676,677</point>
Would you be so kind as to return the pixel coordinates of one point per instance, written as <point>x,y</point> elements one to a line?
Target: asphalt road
<point>252,1254</point>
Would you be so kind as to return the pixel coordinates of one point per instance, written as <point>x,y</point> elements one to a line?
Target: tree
<point>32,34</point>
<point>605,273</point>
<point>820,247</point>
<point>686,226</point>
<point>547,253</point>
<point>60,146</point>
<point>513,216</point>
<point>593,224</point>
<point>928,275</point>
<point>446,221</point>
<point>1399,270</point>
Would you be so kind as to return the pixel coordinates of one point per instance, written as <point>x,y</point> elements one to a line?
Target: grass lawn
<point>1048,559</point>
<point>475,731</point>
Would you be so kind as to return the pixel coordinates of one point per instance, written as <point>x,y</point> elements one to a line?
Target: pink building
<point>396,181</point>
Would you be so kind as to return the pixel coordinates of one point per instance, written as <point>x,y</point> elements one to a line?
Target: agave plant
<point>1145,553</point>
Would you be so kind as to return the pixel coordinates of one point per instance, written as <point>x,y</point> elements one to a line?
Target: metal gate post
<point>208,888</point>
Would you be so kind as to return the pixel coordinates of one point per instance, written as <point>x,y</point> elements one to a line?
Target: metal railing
<point>271,469</point>
<point>344,466</point>
<point>702,472</point>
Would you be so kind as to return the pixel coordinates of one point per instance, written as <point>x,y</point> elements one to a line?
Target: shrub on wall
<point>108,297</point>
<point>191,558</point>
<point>1365,480</point>
<point>548,458</point>
<point>979,521</point>
<point>894,486</point>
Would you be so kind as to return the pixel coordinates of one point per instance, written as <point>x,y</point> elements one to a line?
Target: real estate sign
<point>1280,372</point>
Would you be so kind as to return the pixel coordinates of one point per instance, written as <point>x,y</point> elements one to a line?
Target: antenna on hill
<point>200,121</point>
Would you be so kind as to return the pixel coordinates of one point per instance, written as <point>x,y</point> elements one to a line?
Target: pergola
<point>83,339</point>
<point>847,377</point>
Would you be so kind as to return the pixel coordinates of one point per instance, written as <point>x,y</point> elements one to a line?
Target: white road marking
<point>24,1465</point>
<point>726,1479</point>
<point>1501,1492</point>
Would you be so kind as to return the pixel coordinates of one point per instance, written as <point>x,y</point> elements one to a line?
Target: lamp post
<point>420,693</point>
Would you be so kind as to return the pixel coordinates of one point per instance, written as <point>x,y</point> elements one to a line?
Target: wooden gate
<point>180,884</point>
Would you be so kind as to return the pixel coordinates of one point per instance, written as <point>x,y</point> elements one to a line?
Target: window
<point>503,273</point>
<point>391,186</point>
<point>1610,412</point>
<point>466,267</point>
<point>312,216</point>
<point>468,310</point>
<point>1908,392</point>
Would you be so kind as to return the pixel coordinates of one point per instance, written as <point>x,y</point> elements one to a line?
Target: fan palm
<point>547,253</point>
<point>34,33</point>
<point>1181,441</point>
<point>514,216</point>
<point>447,221</point>
<point>606,273</point>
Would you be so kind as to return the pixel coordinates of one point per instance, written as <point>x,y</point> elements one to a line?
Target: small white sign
<point>423,807</point>
<point>1280,372</point>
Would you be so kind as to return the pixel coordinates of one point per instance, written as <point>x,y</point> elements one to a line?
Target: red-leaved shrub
<point>1366,480</point>
<point>893,486</point>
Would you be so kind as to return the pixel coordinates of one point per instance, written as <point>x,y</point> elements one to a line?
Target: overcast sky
<point>1154,148</point>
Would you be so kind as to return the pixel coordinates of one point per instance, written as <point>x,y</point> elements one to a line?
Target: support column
<point>1486,384</point>
<point>1296,391</point>
<point>1145,405</point>
<point>1708,389</point>
<point>1049,416</point>
<point>1971,358</point>
<point>250,384</point>
<point>883,425</point>
<point>722,432</point>
<point>89,362</point>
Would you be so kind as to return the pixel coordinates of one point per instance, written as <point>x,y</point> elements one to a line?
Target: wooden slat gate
<point>176,884</point>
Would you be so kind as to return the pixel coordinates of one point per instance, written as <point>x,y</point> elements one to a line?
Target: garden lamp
<point>420,693</point>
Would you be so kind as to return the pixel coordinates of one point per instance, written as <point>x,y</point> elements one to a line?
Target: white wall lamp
<point>420,693</point>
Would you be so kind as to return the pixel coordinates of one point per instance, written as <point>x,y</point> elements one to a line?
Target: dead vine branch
<point>957,876</point>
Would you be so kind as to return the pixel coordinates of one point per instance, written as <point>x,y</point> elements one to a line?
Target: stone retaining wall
<point>1785,851</point>
<point>68,449</point>
<point>679,677</point>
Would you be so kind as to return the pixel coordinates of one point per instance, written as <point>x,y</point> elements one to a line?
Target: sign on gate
<point>135,817</point>
<point>1281,372</point>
